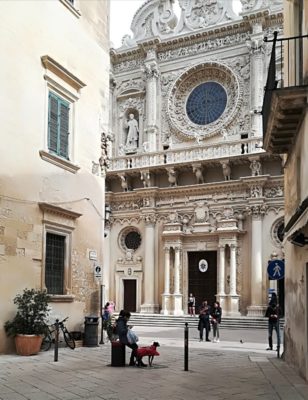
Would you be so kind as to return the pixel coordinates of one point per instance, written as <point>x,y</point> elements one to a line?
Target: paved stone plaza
<point>217,371</point>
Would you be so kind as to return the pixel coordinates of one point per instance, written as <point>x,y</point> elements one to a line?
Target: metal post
<point>186,347</point>
<point>56,340</point>
<point>278,325</point>
<point>102,312</point>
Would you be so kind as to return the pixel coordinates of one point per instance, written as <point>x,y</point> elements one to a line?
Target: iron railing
<point>285,68</point>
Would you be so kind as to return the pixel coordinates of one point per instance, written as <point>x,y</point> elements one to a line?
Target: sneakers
<point>269,348</point>
<point>207,340</point>
<point>217,341</point>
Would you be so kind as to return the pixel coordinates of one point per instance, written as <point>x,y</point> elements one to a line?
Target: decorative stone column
<point>256,308</point>
<point>178,297</point>
<point>234,297</point>
<point>256,50</point>
<point>149,266</point>
<point>152,76</point>
<point>106,262</point>
<point>221,295</point>
<point>166,295</point>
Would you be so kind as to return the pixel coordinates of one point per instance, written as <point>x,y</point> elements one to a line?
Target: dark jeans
<point>133,355</point>
<point>271,326</point>
<point>205,324</point>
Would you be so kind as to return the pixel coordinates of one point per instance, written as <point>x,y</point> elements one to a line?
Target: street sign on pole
<point>275,269</point>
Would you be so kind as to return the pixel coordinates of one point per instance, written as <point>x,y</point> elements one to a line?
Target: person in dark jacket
<point>216,320</point>
<point>272,313</point>
<point>204,321</point>
<point>122,329</point>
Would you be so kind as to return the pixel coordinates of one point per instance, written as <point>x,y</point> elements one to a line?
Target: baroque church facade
<point>195,205</point>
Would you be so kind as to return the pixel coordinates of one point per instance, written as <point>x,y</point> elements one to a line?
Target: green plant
<point>32,314</point>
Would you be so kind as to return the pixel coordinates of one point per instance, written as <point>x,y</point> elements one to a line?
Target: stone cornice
<point>231,28</point>
<point>53,66</point>
<point>60,211</point>
<point>194,190</point>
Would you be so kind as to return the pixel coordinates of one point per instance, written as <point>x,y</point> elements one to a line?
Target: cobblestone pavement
<point>217,371</point>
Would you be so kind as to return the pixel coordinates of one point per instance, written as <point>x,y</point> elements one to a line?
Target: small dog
<point>149,351</point>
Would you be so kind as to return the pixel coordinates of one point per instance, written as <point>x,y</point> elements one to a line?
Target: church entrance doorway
<point>130,294</point>
<point>202,276</point>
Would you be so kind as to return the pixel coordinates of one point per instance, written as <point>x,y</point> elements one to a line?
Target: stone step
<point>179,321</point>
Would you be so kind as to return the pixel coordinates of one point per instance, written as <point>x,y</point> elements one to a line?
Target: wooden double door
<point>130,291</point>
<point>203,285</point>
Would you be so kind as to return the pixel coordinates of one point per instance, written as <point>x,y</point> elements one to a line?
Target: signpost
<point>275,270</point>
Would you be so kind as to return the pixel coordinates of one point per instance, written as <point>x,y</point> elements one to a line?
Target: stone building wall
<point>48,46</point>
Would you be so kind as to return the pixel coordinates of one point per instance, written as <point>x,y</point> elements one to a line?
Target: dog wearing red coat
<point>150,351</point>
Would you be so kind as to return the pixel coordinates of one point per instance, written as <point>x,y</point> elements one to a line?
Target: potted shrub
<point>30,322</point>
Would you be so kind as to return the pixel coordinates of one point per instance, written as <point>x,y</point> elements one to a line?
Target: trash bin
<point>117,354</point>
<point>90,332</point>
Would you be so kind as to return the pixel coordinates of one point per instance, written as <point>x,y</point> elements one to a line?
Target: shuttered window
<point>54,263</point>
<point>58,125</point>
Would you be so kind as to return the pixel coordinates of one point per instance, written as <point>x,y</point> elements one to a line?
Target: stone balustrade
<point>179,156</point>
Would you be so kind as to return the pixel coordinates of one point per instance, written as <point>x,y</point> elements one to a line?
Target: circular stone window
<point>204,100</point>
<point>206,103</point>
<point>277,231</point>
<point>130,239</point>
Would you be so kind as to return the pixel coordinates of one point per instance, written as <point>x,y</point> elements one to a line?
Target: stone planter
<point>27,345</point>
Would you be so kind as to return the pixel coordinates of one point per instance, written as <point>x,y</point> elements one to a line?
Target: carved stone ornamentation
<point>201,212</point>
<point>197,170</point>
<point>183,86</point>
<point>201,14</point>
<point>255,167</point>
<point>226,170</point>
<point>172,176</point>
<point>145,176</point>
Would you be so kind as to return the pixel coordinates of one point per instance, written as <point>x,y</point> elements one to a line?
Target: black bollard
<point>186,347</point>
<point>56,340</point>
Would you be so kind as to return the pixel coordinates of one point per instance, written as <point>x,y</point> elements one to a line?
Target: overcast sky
<point>122,12</point>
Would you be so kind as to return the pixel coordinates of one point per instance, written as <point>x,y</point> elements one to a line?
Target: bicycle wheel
<point>46,343</point>
<point>69,340</point>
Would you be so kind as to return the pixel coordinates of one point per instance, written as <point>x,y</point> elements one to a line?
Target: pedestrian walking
<point>272,313</point>
<point>204,321</point>
<point>216,320</point>
<point>191,305</point>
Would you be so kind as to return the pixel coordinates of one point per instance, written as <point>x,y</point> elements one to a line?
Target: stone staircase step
<point>179,321</point>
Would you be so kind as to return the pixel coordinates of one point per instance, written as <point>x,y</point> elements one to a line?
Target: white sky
<point>122,13</point>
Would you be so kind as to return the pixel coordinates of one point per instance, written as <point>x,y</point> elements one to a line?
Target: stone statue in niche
<point>172,177</point>
<point>201,212</point>
<point>146,178</point>
<point>226,170</point>
<point>133,133</point>
<point>255,167</point>
<point>197,170</point>
<point>124,183</point>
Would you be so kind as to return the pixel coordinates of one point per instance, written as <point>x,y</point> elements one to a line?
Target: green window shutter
<point>64,125</point>
<point>53,123</point>
<point>58,125</point>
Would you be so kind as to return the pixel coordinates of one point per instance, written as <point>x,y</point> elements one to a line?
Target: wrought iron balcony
<point>286,93</point>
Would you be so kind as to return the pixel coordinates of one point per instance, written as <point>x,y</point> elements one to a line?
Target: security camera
<point>298,239</point>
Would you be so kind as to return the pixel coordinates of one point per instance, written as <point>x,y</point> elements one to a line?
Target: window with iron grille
<point>58,125</point>
<point>54,263</point>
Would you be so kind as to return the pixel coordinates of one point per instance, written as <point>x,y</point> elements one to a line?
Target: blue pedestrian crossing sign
<point>275,269</point>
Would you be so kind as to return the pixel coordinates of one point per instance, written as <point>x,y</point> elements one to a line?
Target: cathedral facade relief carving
<point>187,171</point>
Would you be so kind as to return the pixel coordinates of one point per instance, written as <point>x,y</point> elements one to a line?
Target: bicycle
<point>50,336</point>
